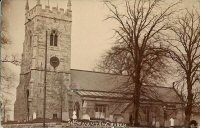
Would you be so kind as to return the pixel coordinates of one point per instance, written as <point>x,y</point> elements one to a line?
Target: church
<point>89,94</point>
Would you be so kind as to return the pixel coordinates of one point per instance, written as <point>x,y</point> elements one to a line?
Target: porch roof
<point>110,95</point>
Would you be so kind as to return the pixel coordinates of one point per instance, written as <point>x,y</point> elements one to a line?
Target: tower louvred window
<point>53,38</point>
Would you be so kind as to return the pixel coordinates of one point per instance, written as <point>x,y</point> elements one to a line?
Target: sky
<point>91,34</point>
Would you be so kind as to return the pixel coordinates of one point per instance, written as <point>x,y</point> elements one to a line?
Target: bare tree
<point>7,76</point>
<point>185,51</point>
<point>4,23</point>
<point>5,108</point>
<point>5,39</point>
<point>139,42</point>
<point>7,84</point>
<point>7,79</point>
<point>115,62</point>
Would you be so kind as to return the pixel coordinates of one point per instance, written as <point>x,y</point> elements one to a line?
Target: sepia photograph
<point>100,64</point>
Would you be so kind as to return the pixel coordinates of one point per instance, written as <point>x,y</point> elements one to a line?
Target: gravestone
<point>111,118</point>
<point>171,122</point>
<point>74,115</point>
<point>34,116</point>
<point>157,124</point>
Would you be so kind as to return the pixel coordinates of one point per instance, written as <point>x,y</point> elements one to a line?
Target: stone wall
<point>35,125</point>
<point>54,125</point>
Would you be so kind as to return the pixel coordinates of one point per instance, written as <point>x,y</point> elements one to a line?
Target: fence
<point>69,124</point>
<point>50,125</point>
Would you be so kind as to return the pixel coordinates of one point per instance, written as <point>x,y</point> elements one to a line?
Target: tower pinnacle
<point>27,6</point>
<point>69,10</point>
<point>69,4</point>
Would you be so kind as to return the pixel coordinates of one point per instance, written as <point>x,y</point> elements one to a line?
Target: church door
<point>77,109</point>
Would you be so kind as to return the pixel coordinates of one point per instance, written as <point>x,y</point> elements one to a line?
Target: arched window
<point>27,93</point>
<point>30,40</point>
<point>53,38</point>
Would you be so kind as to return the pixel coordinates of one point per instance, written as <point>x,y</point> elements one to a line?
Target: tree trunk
<point>136,110</point>
<point>188,108</point>
<point>188,112</point>
<point>137,96</point>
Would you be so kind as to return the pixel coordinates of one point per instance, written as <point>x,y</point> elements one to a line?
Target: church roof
<point>98,84</point>
<point>90,80</point>
<point>103,94</point>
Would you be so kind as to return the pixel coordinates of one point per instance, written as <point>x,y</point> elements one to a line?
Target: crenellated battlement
<point>54,12</point>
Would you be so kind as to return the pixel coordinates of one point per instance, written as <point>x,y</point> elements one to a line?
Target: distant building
<point>89,94</point>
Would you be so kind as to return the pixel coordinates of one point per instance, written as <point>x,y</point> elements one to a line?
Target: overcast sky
<point>91,35</point>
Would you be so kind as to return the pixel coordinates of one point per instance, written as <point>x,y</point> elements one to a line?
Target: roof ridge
<point>98,72</point>
<point>158,86</point>
<point>100,91</point>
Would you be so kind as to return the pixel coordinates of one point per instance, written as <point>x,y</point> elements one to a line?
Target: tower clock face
<point>54,61</point>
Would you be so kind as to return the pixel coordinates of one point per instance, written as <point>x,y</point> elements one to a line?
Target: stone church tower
<point>54,27</point>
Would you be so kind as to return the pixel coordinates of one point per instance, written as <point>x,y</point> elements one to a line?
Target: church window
<point>100,111</point>
<point>55,116</point>
<point>30,40</point>
<point>27,92</point>
<point>53,38</point>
